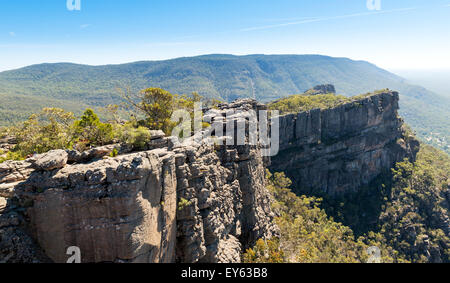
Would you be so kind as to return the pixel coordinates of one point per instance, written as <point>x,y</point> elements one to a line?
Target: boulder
<point>158,134</point>
<point>55,159</point>
<point>75,156</point>
<point>3,203</point>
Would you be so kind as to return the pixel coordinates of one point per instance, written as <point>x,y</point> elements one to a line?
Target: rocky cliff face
<point>338,150</point>
<point>190,202</point>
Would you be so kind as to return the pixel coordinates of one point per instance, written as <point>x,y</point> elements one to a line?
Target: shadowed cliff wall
<point>337,150</point>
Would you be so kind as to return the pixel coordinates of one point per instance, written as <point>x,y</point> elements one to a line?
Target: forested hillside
<point>74,87</point>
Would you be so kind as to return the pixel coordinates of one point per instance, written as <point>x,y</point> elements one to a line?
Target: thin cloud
<point>11,33</point>
<point>286,19</point>
<point>326,19</point>
<point>85,26</point>
<point>281,25</point>
<point>32,46</point>
<point>168,44</point>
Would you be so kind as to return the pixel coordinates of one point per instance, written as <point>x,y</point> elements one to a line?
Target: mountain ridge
<point>228,77</point>
<point>114,68</point>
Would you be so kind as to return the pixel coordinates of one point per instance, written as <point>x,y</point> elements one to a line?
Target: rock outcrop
<point>338,150</point>
<point>194,201</point>
<point>190,202</point>
<point>228,203</point>
<point>322,89</point>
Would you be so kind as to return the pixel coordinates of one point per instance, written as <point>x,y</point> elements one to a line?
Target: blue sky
<point>404,34</point>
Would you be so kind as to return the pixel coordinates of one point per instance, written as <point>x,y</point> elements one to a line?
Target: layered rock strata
<point>189,202</point>
<point>337,150</point>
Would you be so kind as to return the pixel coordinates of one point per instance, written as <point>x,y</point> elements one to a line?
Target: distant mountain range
<point>264,77</point>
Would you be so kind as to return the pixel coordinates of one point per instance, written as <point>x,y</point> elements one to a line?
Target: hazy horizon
<point>436,80</point>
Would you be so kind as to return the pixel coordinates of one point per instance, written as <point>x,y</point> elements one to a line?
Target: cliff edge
<point>192,201</point>
<point>337,150</point>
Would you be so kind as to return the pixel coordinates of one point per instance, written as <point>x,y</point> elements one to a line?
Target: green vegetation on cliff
<point>307,102</point>
<point>308,234</point>
<point>54,128</point>
<point>415,219</point>
<point>300,103</point>
<point>404,213</point>
<point>408,207</point>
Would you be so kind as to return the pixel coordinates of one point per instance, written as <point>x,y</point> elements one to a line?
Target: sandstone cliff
<point>337,150</point>
<point>189,202</point>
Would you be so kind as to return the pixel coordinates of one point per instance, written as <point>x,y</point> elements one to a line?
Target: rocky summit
<point>192,201</point>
